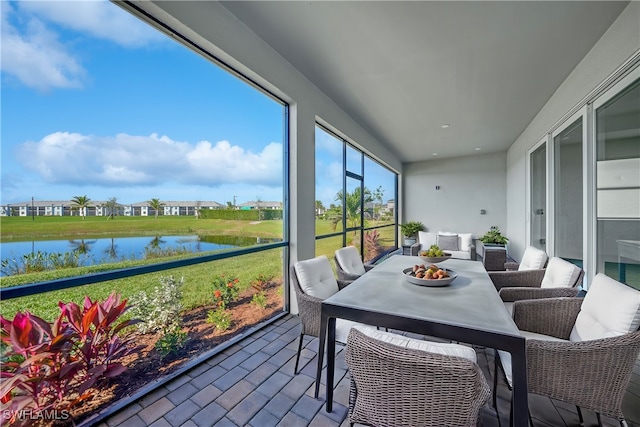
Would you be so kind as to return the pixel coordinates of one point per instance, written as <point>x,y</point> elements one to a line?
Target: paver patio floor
<point>252,384</point>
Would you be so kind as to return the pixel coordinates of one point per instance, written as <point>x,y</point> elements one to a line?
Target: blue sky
<point>95,102</point>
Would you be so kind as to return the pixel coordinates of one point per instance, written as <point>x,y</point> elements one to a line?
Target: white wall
<point>467,185</point>
<point>617,45</point>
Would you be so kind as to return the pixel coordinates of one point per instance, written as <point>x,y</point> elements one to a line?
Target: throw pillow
<point>448,242</point>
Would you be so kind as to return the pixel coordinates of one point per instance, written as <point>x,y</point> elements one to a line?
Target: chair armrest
<point>415,249</point>
<point>549,316</point>
<point>346,277</point>
<point>510,279</point>
<point>472,250</point>
<point>562,370</point>
<point>511,266</point>
<point>517,294</point>
<point>310,310</point>
<point>344,283</point>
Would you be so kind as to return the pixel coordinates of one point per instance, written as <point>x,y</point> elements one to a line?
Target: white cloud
<point>31,48</point>
<point>35,55</point>
<point>100,18</point>
<point>125,160</point>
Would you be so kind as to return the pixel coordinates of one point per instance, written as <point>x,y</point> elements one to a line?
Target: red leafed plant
<point>55,366</point>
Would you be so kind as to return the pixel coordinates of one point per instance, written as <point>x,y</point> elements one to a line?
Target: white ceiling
<point>402,69</point>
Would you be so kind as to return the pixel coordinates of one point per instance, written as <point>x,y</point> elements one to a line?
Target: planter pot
<point>408,241</point>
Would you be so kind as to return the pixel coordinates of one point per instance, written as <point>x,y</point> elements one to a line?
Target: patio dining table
<point>468,310</point>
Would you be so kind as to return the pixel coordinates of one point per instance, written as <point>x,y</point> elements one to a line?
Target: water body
<point>105,250</point>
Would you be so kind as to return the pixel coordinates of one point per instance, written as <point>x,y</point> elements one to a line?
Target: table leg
<point>321,341</point>
<point>331,361</point>
<point>519,402</point>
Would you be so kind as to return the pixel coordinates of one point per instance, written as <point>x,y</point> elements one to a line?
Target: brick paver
<point>252,384</point>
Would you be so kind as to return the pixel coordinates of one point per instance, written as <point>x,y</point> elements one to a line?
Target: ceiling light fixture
<point>434,154</point>
<point>477,148</point>
<point>445,126</point>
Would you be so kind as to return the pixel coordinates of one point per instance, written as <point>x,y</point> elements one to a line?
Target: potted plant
<point>410,230</point>
<point>494,237</point>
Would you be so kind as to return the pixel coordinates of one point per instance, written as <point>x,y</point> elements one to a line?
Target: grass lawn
<point>197,288</point>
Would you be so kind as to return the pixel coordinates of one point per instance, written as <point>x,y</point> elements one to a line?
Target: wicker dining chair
<point>349,265</point>
<point>394,385</point>
<point>558,274</point>
<point>316,277</point>
<point>582,351</point>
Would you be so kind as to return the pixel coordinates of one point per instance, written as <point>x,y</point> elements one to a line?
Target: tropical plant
<point>494,236</point>
<point>411,228</point>
<point>156,205</point>
<point>54,366</point>
<point>81,203</point>
<point>353,203</point>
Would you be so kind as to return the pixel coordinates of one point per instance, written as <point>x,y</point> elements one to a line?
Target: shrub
<point>220,318</point>
<point>259,298</point>
<point>225,290</point>
<point>161,310</point>
<point>48,363</point>
<point>171,342</point>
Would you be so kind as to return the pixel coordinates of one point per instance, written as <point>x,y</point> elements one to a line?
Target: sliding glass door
<point>617,123</point>
<point>538,197</point>
<point>568,192</point>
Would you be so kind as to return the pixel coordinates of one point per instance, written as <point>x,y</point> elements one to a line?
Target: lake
<point>105,250</point>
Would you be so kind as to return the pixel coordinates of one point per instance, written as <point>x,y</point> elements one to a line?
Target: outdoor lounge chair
<point>397,381</point>
<point>582,351</point>
<point>349,265</point>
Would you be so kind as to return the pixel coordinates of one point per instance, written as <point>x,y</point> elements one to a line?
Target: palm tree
<point>81,203</point>
<point>156,205</point>
<point>353,205</point>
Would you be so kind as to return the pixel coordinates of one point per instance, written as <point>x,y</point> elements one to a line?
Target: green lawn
<point>197,289</point>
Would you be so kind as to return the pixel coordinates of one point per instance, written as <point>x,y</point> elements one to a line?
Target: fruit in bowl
<point>433,252</point>
<point>432,272</point>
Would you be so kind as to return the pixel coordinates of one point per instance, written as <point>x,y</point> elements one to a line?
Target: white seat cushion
<point>316,277</point>
<point>460,254</point>
<point>447,349</point>
<point>343,326</point>
<point>609,309</point>
<point>465,240</point>
<point>505,357</point>
<point>560,274</point>
<point>533,259</point>
<point>426,240</point>
<point>350,261</point>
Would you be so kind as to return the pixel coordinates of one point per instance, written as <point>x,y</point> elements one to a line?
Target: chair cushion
<point>465,240</point>
<point>448,242</point>
<point>609,309</point>
<point>560,274</point>
<point>426,239</point>
<point>350,261</point>
<point>316,277</point>
<point>533,259</point>
<point>446,349</point>
<point>460,254</point>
